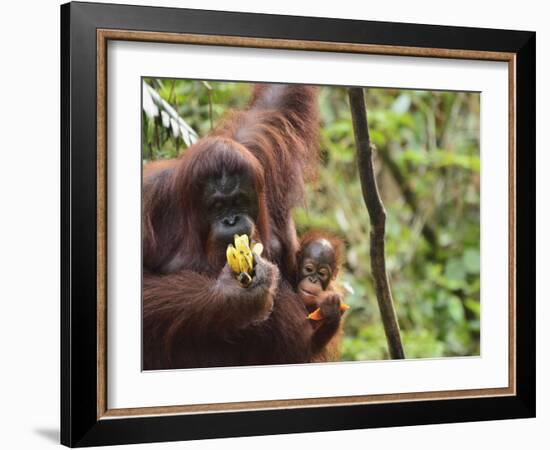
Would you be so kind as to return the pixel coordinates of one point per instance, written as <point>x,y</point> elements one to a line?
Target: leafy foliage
<point>428,170</point>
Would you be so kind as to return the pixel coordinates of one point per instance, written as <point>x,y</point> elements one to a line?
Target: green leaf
<point>471,260</point>
<point>455,308</point>
<point>473,305</point>
<point>454,270</point>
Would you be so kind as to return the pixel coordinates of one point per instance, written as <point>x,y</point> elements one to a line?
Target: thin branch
<point>377,216</point>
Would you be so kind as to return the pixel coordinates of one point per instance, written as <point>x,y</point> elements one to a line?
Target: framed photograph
<point>277,224</point>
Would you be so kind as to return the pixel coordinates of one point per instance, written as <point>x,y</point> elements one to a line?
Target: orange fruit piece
<point>316,315</point>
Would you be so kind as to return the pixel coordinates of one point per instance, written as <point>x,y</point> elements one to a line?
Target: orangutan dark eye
<point>323,273</point>
<point>309,268</point>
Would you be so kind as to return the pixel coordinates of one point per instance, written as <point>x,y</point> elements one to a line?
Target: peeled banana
<point>241,260</point>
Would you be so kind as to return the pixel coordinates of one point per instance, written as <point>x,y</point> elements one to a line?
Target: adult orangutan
<point>244,178</point>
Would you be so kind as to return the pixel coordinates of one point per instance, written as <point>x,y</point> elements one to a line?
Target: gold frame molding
<point>103,36</point>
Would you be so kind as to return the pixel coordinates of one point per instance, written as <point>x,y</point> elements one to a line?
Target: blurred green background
<point>427,164</point>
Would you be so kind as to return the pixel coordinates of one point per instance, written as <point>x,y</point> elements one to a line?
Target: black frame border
<point>79,423</point>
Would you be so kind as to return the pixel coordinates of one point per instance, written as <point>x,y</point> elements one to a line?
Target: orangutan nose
<point>230,221</point>
<point>229,226</point>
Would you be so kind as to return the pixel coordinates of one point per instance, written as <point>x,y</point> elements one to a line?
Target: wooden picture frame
<point>85,416</point>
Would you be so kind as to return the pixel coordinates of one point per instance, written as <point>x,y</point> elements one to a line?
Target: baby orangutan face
<point>317,268</point>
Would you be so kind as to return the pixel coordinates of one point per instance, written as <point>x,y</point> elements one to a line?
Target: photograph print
<point>257,236</point>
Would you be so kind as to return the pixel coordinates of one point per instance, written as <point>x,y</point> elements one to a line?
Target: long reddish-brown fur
<point>190,317</point>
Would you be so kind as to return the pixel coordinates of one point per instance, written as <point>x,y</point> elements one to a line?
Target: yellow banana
<point>241,259</point>
<point>232,259</point>
<point>258,248</point>
<point>249,261</point>
<point>241,242</point>
<point>243,251</point>
<point>243,263</point>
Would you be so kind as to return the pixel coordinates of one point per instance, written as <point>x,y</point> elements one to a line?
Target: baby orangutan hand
<point>330,308</point>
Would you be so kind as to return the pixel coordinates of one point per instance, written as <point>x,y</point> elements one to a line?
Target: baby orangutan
<point>319,259</point>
